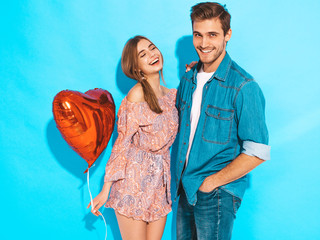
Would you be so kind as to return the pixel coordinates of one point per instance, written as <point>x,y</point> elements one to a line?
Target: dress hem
<point>140,218</point>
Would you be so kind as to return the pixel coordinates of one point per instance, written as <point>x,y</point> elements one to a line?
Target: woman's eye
<point>142,55</point>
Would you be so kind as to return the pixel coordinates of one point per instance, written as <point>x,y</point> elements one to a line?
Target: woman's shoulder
<point>136,94</point>
<point>171,93</point>
<point>168,91</point>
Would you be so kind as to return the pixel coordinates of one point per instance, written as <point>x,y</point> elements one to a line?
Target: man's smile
<point>205,51</point>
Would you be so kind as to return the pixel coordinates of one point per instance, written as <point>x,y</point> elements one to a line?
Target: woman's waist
<point>149,151</point>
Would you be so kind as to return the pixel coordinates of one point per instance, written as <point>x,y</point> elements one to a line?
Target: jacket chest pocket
<point>217,125</point>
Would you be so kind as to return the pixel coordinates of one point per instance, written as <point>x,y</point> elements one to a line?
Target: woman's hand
<point>100,199</point>
<point>191,65</point>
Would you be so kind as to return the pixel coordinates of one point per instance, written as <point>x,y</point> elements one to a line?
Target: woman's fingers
<point>97,213</point>
<point>95,209</point>
<point>93,204</point>
<point>96,205</point>
<point>191,65</point>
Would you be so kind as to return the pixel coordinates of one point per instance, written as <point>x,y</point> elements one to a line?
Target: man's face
<point>210,42</point>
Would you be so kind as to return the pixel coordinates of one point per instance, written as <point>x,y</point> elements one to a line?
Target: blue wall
<point>49,46</point>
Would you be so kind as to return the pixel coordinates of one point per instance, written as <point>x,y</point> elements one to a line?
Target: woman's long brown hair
<point>129,64</point>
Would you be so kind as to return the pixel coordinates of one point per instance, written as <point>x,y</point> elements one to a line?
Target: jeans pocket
<point>208,193</point>
<point>236,204</point>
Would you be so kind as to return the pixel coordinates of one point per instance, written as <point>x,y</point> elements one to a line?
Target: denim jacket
<point>232,121</point>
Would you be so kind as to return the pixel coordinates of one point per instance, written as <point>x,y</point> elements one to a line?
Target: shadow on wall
<point>185,53</point>
<point>111,221</point>
<point>109,215</point>
<point>124,83</point>
<point>65,156</point>
<point>74,164</point>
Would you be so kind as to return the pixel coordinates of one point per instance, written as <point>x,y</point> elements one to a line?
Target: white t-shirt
<point>202,78</point>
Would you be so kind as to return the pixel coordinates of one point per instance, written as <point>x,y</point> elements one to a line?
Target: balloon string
<point>105,223</point>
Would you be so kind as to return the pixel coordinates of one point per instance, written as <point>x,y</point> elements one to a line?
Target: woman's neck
<point>154,82</point>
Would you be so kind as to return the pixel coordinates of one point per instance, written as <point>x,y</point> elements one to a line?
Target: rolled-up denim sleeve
<point>259,150</point>
<point>250,116</point>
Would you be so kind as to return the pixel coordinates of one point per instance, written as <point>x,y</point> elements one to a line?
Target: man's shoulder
<point>238,76</point>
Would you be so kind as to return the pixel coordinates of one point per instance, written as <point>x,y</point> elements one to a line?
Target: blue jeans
<point>211,218</point>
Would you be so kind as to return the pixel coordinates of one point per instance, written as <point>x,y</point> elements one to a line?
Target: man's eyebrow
<point>213,32</point>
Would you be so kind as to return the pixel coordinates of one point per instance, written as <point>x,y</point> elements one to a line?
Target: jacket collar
<point>221,72</point>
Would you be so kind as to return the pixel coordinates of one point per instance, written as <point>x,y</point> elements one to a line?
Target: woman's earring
<point>142,75</point>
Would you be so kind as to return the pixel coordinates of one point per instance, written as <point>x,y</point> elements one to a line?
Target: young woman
<point>139,166</point>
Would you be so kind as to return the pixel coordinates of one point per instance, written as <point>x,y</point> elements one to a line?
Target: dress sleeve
<point>128,125</point>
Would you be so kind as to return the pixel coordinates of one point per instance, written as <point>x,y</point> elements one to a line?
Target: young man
<point>222,136</point>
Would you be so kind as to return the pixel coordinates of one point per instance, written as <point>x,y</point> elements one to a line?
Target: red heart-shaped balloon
<point>86,121</point>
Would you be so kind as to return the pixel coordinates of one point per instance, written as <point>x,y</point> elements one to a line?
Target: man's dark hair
<point>210,10</point>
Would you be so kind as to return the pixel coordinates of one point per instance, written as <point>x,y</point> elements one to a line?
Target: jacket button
<point>187,125</point>
<point>189,106</point>
<point>184,143</point>
<point>180,161</point>
<point>192,87</point>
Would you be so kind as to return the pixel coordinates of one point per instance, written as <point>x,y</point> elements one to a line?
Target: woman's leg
<point>155,229</point>
<point>131,229</point>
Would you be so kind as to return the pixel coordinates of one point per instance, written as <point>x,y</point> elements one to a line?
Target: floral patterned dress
<point>139,165</point>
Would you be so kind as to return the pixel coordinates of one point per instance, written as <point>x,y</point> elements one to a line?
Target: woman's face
<point>149,57</point>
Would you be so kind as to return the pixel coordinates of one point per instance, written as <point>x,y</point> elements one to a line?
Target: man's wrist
<point>213,181</point>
